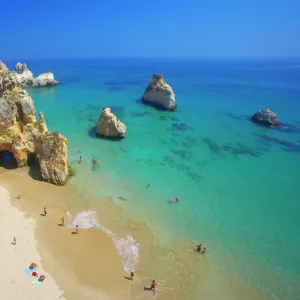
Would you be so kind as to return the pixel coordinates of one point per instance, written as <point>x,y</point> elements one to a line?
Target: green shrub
<point>71,171</point>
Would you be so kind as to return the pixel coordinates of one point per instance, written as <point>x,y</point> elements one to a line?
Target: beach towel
<point>29,270</point>
<point>36,282</point>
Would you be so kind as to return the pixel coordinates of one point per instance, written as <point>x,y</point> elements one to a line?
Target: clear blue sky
<point>140,28</point>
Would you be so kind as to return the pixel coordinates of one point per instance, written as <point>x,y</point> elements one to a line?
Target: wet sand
<point>87,265</point>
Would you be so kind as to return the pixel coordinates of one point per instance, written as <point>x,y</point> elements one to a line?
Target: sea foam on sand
<point>15,284</point>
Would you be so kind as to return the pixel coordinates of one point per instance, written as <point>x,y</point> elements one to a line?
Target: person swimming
<point>175,199</point>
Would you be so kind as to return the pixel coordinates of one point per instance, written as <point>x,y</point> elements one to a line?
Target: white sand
<point>15,284</point>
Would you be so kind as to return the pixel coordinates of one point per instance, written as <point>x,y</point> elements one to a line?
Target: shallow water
<point>237,182</point>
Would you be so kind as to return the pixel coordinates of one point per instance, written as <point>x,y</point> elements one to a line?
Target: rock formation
<point>158,92</point>
<point>45,79</point>
<point>3,67</point>
<point>109,125</point>
<point>21,134</point>
<point>24,75</point>
<point>265,117</point>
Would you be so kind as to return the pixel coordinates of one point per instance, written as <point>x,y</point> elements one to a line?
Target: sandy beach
<point>16,257</point>
<point>87,266</point>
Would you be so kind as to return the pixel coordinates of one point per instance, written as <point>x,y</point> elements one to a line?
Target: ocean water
<point>238,183</point>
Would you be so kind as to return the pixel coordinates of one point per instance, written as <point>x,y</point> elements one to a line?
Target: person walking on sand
<point>77,229</point>
<point>62,221</point>
<point>14,241</point>
<point>45,211</point>
<point>132,275</point>
<point>153,286</point>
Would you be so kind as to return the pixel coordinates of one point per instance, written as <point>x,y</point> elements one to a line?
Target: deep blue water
<point>238,183</point>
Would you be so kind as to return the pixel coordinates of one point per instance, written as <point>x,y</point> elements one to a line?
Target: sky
<point>158,28</point>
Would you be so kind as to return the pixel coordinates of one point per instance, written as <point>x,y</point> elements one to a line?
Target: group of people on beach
<point>31,269</point>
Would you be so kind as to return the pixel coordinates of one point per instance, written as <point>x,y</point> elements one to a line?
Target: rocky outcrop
<point>109,125</point>
<point>22,135</point>
<point>45,79</point>
<point>265,117</point>
<point>24,75</point>
<point>159,93</point>
<point>3,67</point>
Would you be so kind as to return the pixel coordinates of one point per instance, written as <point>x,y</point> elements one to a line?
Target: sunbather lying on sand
<point>32,266</point>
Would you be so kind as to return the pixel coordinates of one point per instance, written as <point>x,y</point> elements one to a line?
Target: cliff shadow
<point>7,160</point>
<point>34,167</point>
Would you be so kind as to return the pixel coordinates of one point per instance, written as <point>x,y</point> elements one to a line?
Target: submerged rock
<point>24,75</point>
<point>158,92</point>
<point>21,134</point>
<point>109,125</point>
<point>45,79</point>
<point>265,117</point>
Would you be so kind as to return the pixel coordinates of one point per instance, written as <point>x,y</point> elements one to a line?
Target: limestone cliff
<point>109,125</point>
<point>22,135</point>
<point>3,67</point>
<point>45,79</point>
<point>24,75</point>
<point>158,92</point>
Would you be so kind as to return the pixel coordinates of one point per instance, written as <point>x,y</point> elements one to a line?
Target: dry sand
<point>15,258</point>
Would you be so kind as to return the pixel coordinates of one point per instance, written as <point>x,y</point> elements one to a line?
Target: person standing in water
<point>45,211</point>
<point>132,275</point>
<point>204,250</point>
<point>148,185</point>
<point>199,247</point>
<point>153,286</point>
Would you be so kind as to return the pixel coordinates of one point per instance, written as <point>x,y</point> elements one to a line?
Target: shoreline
<point>16,257</point>
<point>90,260</point>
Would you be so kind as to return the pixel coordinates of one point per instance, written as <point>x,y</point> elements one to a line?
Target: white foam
<point>126,247</point>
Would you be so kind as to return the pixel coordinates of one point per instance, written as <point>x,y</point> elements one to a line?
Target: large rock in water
<point>24,75</point>
<point>109,125</point>
<point>158,92</point>
<point>21,134</point>
<point>45,79</point>
<point>265,117</point>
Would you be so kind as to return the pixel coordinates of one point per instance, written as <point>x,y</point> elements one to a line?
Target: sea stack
<point>22,135</point>
<point>24,75</point>
<point>265,117</point>
<point>159,93</point>
<point>45,79</point>
<point>109,125</point>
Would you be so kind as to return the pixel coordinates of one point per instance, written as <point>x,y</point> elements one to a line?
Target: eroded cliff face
<point>159,93</point>
<point>22,134</point>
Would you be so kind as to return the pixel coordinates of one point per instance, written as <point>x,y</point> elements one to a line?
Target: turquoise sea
<point>237,182</point>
